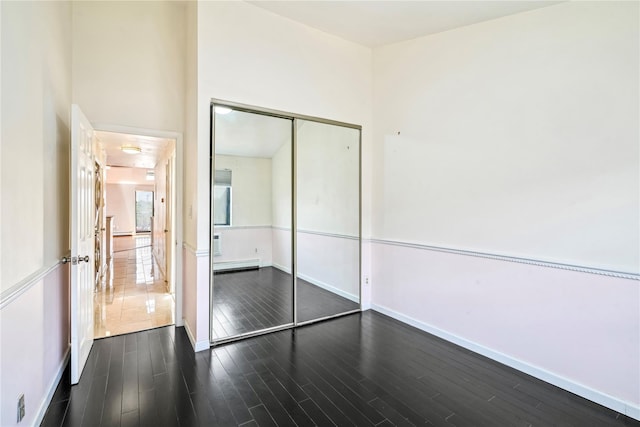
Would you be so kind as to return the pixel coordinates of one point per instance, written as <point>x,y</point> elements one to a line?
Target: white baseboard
<point>281,267</point>
<point>197,345</point>
<point>53,385</point>
<point>596,396</point>
<point>330,288</point>
<point>320,284</point>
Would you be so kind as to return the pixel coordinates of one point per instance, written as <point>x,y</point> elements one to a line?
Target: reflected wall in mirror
<point>252,286</point>
<point>328,219</point>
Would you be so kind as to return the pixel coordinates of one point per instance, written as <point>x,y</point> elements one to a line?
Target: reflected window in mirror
<point>222,198</point>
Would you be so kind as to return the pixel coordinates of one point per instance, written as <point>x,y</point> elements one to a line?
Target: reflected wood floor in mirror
<point>359,370</point>
<point>251,300</point>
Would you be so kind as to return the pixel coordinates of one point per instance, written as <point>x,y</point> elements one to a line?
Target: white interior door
<point>82,241</point>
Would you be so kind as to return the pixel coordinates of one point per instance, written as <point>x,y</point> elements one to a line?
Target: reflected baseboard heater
<point>229,266</point>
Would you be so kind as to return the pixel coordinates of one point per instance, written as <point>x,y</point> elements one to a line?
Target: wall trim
<point>620,406</point>
<point>529,261</point>
<point>322,233</point>
<point>53,385</point>
<point>25,284</point>
<point>197,345</point>
<point>318,233</point>
<point>195,252</point>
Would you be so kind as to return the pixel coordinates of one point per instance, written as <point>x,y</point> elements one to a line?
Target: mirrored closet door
<point>251,211</point>
<point>327,219</point>
<point>285,220</point>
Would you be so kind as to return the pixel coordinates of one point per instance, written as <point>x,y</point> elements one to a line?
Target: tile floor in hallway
<point>135,295</point>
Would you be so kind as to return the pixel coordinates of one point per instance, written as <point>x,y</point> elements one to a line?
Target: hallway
<point>135,295</point>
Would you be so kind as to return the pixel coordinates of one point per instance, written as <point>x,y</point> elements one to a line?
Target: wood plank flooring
<point>251,300</point>
<point>359,370</point>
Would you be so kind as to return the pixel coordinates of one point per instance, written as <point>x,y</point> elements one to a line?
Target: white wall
<point>249,236</point>
<point>35,95</point>
<point>129,63</point>
<point>248,55</point>
<point>121,204</point>
<point>517,136</point>
<point>327,253</point>
<point>192,255</point>
<point>330,262</point>
<point>36,98</point>
<point>251,189</point>
<point>281,205</point>
<point>327,208</point>
<point>327,178</point>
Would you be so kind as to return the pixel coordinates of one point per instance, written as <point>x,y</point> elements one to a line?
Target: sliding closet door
<point>327,219</point>
<point>252,286</point>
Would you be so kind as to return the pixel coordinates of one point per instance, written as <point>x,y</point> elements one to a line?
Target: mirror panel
<point>252,287</point>
<point>327,219</point>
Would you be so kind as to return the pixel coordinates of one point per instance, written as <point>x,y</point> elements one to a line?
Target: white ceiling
<point>250,135</point>
<point>369,23</point>
<point>376,23</point>
<point>152,148</point>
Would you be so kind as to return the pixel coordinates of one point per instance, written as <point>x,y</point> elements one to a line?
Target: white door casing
<point>169,224</point>
<point>159,222</point>
<point>82,240</point>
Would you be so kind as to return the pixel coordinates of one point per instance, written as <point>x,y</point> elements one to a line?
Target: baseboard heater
<point>231,266</point>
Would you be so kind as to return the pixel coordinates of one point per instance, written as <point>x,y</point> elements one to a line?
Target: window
<point>222,198</point>
<point>144,211</point>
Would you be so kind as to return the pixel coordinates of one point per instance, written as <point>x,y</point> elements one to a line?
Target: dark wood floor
<point>359,370</point>
<point>251,300</point>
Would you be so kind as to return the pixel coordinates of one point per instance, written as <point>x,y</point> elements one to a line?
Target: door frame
<point>177,198</point>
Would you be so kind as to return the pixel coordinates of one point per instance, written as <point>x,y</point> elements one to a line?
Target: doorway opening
<point>137,288</point>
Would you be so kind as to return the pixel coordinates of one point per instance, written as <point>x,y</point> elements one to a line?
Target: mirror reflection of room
<point>252,215</point>
<point>327,219</point>
<point>253,289</point>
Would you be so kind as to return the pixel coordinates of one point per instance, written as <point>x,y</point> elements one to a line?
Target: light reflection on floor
<point>134,296</point>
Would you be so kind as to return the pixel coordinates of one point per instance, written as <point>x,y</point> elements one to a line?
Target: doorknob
<point>166,231</point>
<point>74,260</point>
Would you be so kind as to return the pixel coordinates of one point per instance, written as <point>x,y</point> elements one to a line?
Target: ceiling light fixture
<point>131,149</point>
<point>220,109</point>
